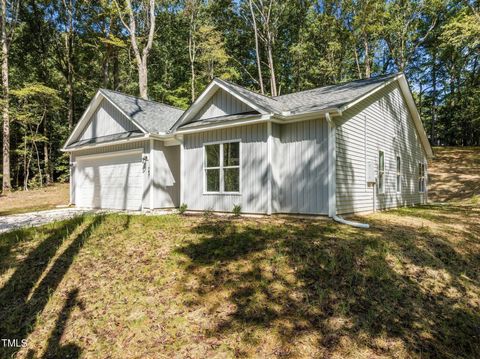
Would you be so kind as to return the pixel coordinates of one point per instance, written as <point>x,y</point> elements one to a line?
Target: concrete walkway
<point>33,219</point>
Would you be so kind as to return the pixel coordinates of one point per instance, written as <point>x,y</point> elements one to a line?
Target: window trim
<point>381,191</point>
<point>398,173</point>
<point>221,168</point>
<point>422,177</point>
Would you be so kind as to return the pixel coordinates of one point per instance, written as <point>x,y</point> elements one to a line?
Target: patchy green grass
<point>34,200</point>
<point>194,286</point>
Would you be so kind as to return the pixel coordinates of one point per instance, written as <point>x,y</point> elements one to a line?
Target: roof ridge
<point>140,98</point>
<point>340,83</point>
<point>245,88</point>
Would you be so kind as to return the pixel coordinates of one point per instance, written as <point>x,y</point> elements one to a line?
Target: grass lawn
<point>34,200</point>
<point>119,286</point>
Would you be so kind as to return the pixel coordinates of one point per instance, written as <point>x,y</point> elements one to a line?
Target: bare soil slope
<point>454,174</point>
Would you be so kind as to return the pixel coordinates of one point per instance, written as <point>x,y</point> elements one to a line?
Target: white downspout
<point>332,177</point>
<point>269,163</point>
<point>152,171</point>
<point>182,165</point>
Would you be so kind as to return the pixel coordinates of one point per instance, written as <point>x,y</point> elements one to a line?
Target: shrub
<point>182,209</point>
<point>237,209</point>
<point>208,212</point>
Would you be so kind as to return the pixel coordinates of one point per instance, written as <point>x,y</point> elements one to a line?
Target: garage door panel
<point>110,182</point>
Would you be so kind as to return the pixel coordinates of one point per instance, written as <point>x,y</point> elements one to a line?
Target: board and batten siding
<point>379,123</point>
<point>107,120</point>
<point>300,167</point>
<point>166,175</point>
<point>253,171</point>
<point>220,104</point>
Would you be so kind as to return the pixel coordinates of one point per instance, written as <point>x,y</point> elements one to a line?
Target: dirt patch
<point>34,200</point>
<point>454,174</point>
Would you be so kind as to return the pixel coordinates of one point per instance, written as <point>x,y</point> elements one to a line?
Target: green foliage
<point>183,208</point>
<point>208,213</point>
<point>237,210</point>
<point>435,42</point>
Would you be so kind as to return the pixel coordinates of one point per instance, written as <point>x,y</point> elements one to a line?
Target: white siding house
<point>347,148</point>
<point>381,124</point>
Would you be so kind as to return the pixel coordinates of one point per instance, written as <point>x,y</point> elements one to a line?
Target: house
<point>346,148</point>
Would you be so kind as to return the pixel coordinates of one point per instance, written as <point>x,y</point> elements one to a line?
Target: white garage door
<point>109,182</point>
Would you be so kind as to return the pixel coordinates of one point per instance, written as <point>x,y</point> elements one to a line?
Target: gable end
<point>105,121</point>
<point>223,104</point>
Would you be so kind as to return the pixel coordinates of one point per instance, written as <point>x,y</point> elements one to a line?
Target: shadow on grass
<point>344,285</point>
<point>54,348</point>
<point>27,291</point>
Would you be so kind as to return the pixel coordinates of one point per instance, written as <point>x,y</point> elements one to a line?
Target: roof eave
<point>415,115</point>
<point>224,124</point>
<point>108,143</point>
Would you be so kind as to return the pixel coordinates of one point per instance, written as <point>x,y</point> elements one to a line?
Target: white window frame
<point>382,189</point>
<point>398,178</point>
<point>221,168</point>
<point>421,177</point>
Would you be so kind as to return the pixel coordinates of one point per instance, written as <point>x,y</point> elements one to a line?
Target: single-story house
<point>346,148</point>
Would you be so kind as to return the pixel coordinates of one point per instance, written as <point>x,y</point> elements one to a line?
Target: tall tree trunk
<point>141,56</point>
<point>271,65</point>
<point>368,70</point>
<point>257,49</point>
<point>192,51</point>
<point>116,70</point>
<point>46,158</point>
<point>192,81</point>
<point>6,185</point>
<point>105,80</point>
<point>69,61</point>
<point>70,101</point>
<point>143,78</point>
<point>357,62</point>
<point>434,98</point>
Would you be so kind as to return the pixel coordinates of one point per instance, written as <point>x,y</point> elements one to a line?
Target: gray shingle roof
<point>333,96</point>
<point>152,116</point>
<point>318,99</point>
<point>268,103</point>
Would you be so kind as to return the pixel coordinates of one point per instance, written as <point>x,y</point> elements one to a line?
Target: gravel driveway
<point>32,219</point>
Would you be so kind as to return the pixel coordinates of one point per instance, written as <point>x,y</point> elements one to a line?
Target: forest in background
<point>57,53</point>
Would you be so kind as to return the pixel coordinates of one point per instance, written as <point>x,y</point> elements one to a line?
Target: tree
<point>192,10</point>
<point>141,17</point>
<point>34,102</point>
<point>266,17</point>
<point>8,19</point>
<point>257,46</point>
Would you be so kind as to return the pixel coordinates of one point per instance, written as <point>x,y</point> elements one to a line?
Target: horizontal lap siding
<point>254,170</point>
<point>144,145</point>
<point>390,128</point>
<point>301,168</point>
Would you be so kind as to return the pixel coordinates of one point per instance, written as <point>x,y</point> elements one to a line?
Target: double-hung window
<point>399,175</point>
<point>381,172</point>
<point>421,177</point>
<point>222,167</point>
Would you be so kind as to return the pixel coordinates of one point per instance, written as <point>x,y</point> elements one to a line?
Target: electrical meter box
<point>371,173</point>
